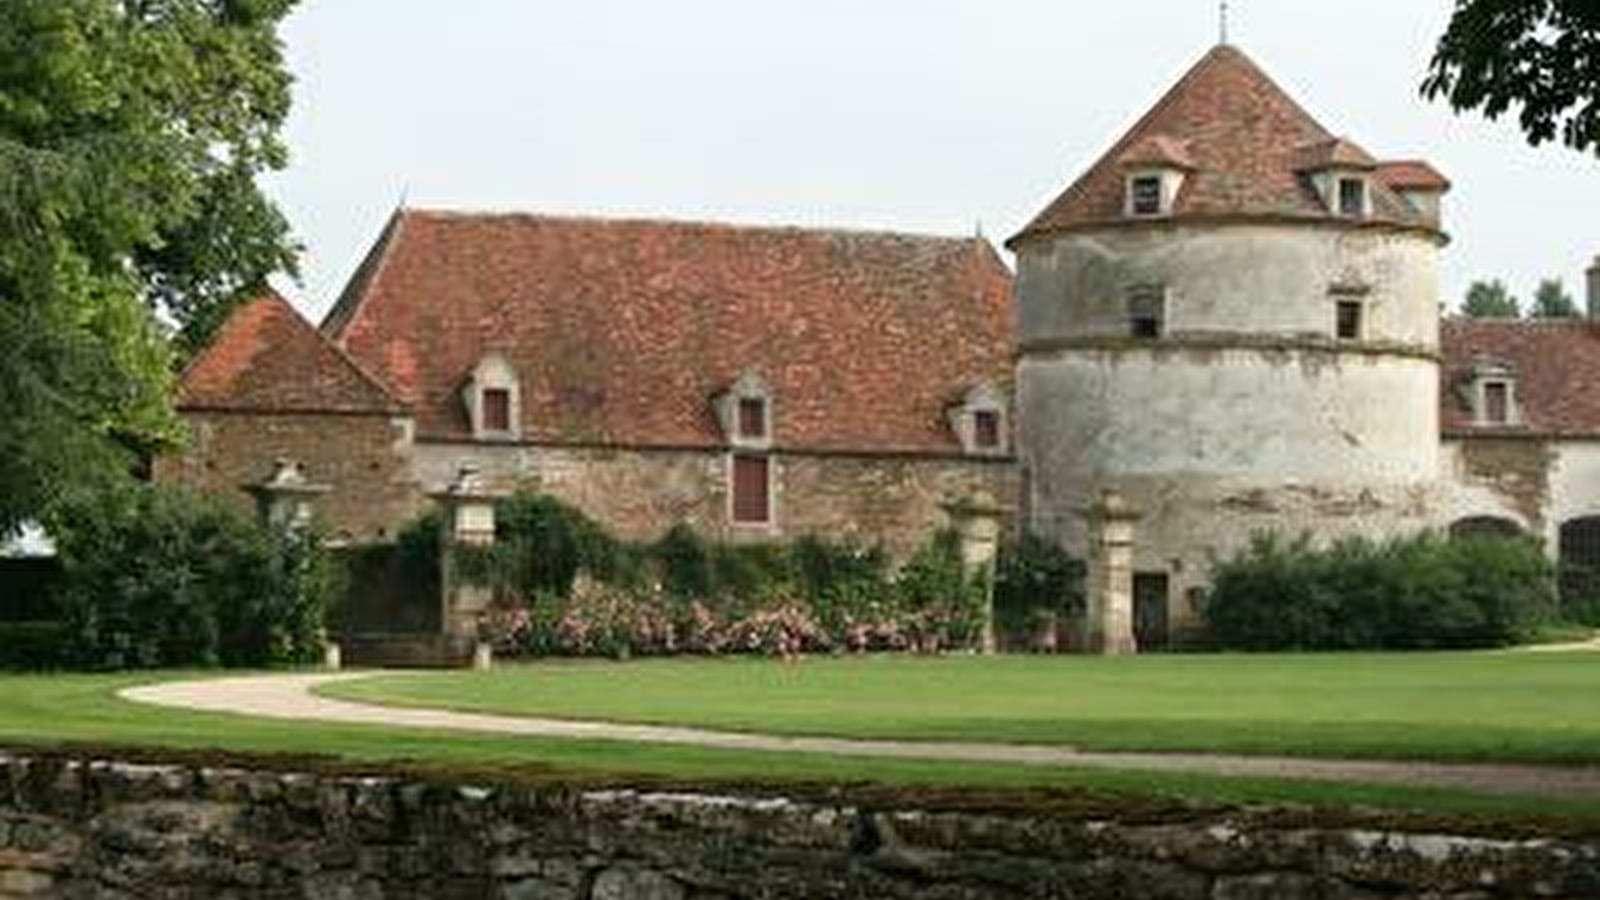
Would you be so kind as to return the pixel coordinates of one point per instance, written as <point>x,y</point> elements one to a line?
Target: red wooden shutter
<point>750,483</point>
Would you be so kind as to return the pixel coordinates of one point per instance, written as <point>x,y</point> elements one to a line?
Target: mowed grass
<point>81,713</point>
<point>1500,706</point>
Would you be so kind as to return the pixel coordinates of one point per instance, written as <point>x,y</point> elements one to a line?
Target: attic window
<point>744,412</point>
<point>1146,311</point>
<point>1496,402</point>
<point>979,420</point>
<point>1492,394</point>
<point>1347,320</point>
<point>1353,197</point>
<point>496,409</point>
<point>1144,195</point>
<point>986,429</point>
<point>752,418</point>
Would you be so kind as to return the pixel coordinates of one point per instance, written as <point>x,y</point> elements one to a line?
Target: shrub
<point>1419,592</point>
<point>1036,584</point>
<point>32,645</point>
<point>156,576</point>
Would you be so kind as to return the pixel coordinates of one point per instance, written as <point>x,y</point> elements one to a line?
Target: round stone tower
<point>1232,319</point>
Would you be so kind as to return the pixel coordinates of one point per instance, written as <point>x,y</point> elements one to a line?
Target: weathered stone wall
<point>105,830</point>
<point>365,459</point>
<point>641,493</point>
<point>1247,413</point>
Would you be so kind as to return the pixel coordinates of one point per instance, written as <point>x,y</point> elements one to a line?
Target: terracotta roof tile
<point>623,331</point>
<point>1246,139</point>
<point>266,357</point>
<point>1158,150</point>
<point>1411,174</point>
<point>1332,153</point>
<point>1556,364</point>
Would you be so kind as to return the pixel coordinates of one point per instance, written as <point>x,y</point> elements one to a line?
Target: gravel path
<point>289,696</point>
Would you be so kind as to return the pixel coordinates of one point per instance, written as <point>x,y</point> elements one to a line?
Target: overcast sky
<point>936,116</point>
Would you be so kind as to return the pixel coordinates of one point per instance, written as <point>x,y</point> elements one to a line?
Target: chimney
<point>1594,288</point>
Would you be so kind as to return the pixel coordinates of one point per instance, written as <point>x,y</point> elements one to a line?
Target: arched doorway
<point>1485,526</point>
<point>1580,569</point>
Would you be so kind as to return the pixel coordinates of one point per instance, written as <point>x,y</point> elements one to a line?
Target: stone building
<point>755,383</point>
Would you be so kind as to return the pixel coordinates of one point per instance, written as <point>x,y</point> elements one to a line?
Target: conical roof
<point>1247,147</point>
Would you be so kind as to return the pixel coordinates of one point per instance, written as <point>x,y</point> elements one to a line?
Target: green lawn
<point>1532,707</point>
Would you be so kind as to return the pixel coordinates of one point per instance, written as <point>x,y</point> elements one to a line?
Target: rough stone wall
<point>365,459</point>
<point>641,493</point>
<point>1247,413</point>
<point>107,830</point>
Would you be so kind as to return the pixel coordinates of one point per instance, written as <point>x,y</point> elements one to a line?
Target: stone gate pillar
<point>468,507</point>
<point>285,499</point>
<point>1110,575</point>
<point>977,522</point>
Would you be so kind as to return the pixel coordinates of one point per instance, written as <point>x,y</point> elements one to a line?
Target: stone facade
<point>79,829</point>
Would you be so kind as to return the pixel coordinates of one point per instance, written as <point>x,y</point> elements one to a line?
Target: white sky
<point>914,115</point>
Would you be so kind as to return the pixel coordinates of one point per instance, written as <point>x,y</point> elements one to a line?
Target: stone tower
<point>1232,318</point>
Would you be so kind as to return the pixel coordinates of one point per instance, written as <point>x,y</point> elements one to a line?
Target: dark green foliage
<point>1035,581</point>
<point>932,587</point>
<point>541,544</point>
<point>1580,594</point>
<point>1551,301</point>
<point>1420,592</point>
<point>158,577</point>
<point>28,588</point>
<point>1540,57</point>
<point>685,563</point>
<point>32,645</point>
<point>1490,300</point>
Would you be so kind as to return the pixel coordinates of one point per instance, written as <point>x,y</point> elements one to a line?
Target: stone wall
<point>640,493</point>
<point>365,459</point>
<point>77,829</point>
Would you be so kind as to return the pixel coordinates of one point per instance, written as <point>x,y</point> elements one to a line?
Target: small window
<point>1145,312</point>
<point>1352,197</point>
<point>986,429</point>
<point>1348,320</point>
<point>496,409</point>
<point>1496,402</point>
<point>752,417</point>
<point>1144,194</point>
<point>751,496</point>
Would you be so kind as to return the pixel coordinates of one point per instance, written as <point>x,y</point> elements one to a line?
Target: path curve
<point>289,696</point>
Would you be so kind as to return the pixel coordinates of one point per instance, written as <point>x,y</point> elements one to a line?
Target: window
<point>1347,324</point>
<point>752,417</point>
<point>1352,197</point>
<point>751,494</point>
<point>1145,312</point>
<point>496,409</point>
<point>986,429</point>
<point>1144,195</point>
<point>1496,402</point>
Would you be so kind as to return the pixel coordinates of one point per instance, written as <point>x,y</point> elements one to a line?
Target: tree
<point>1540,56</point>
<point>131,132</point>
<point>1551,301</point>
<point>1490,300</point>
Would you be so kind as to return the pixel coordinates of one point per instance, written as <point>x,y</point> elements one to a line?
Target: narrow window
<point>1348,324</point>
<point>1145,312</point>
<point>1352,197</point>
<point>1496,403</point>
<point>986,429</point>
<point>1145,195</point>
<point>750,490</point>
<point>496,409</point>
<point>752,417</point>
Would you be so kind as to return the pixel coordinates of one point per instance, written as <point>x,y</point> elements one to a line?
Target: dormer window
<point>1146,311</point>
<point>1144,195</point>
<point>753,418</point>
<point>493,400</point>
<point>1491,391</point>
<point>979,420</point>
<point>744,412</point>
<point>1353,197</point>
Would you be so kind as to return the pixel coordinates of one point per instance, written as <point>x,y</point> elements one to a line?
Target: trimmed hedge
<point>1419,592</point>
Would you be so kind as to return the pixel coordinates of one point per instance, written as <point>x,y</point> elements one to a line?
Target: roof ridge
<point>357,289</point>
<point>718,224</point>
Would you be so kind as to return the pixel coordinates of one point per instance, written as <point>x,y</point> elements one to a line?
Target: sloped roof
<point>1414,174</point>
<point>267,358</point>
<point>1249,143</point>
<point>1556,363</point>
<point>622,331</point>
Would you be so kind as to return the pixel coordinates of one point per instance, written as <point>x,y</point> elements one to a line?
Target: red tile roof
<point>1411,174</point>
<point>1556,364</point>
<point>266,357</point>
<point>1248,141</point>
<point>623,331</point>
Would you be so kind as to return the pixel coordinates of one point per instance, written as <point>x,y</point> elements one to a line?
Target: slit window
<point>752,417</point>
<point>496,409</point>
<point>1352,197</point>
<point>1144,195</point>
<point>1347,324</point>
<point>1146,312</point>
<point>751,490</point>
